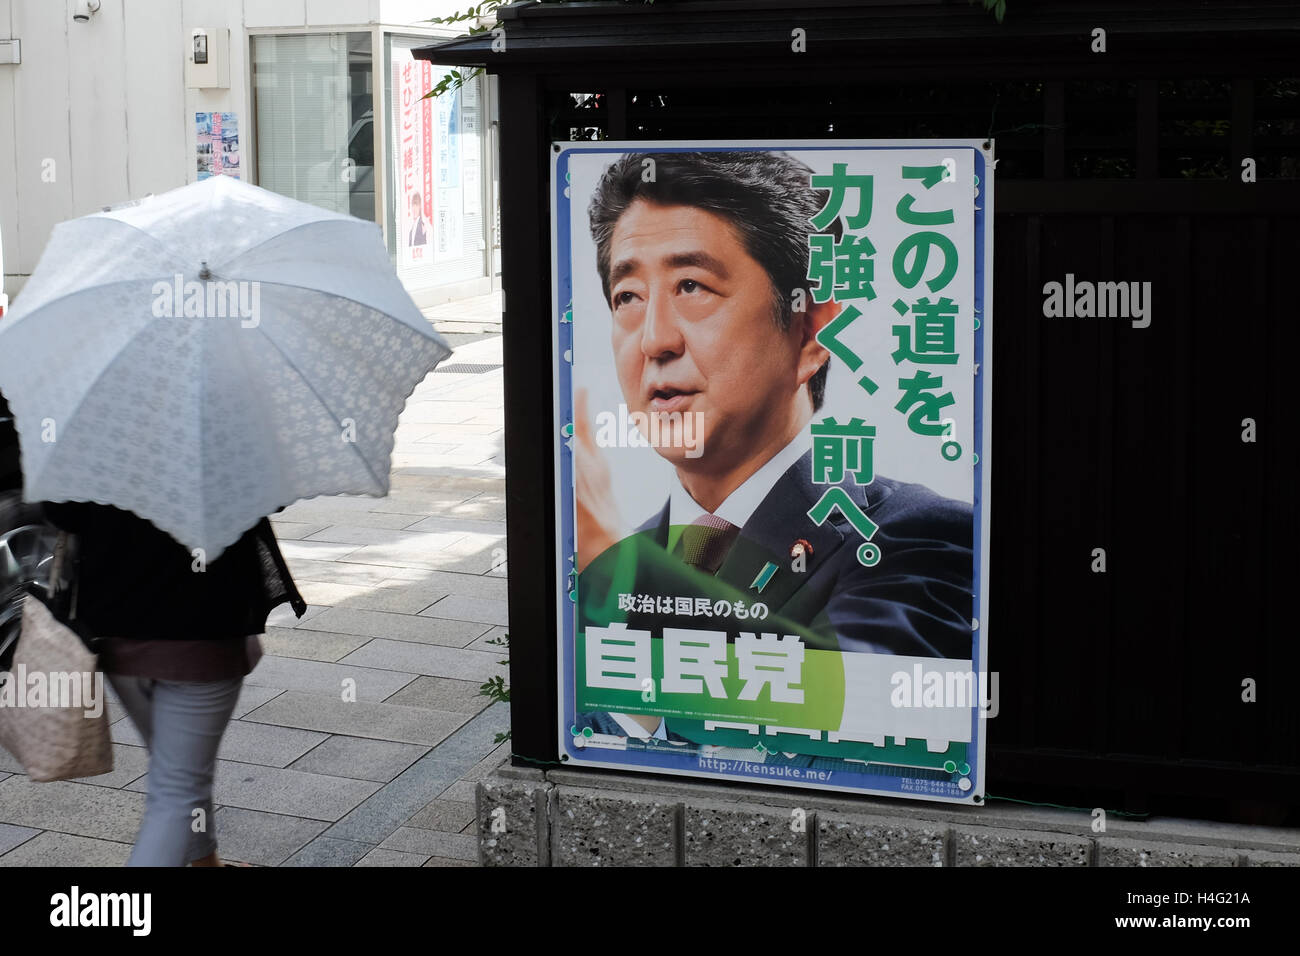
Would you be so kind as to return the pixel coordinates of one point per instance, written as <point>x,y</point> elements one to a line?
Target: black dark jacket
<point>135,581</point>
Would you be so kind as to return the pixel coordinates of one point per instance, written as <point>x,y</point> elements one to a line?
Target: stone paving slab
<point>437,413</point>
<point>328,851</point>
<point>443,861</point>
<point>378,857</point>
<point>296,530</point>
<point>452,525</point>
<point>462,791</point>
<point>284,617</point>
<point>432,774</point>
<point>400,598</point>
<point>474,451</point>
<point>310,645</point>
<point>294,793</point>
<point>316,550</point>
<point>332,572</point>
<point>484,643</point>
<point>243,741</point>
<point>415,431</point>
<point>336,504</point>
<point>360,758</point>
<point>458,607</point>
<point>252,696</point>
<point>442,583</point>
<point>464,430</point>
<point>454,846</point>
<point>473,544</point>
<point>129,763</point>
<point>326,678</point>
<point>443,488</point>
<point>463,459</point>
<point>489,763</point>
<point>415,504</point>
<point>260,838</point>
<point>249,742</point>
<point>12,836</point>
<point>429,659</point>
<point>77,808</point>
<point>390,520</point>
<point>449,816</point>
<point>442,693</point>
<point>379,721</point>
<point>483,507</point>
<point>424,541</point>
<point>66,849</point>
<point>415,556</point>
<point>398,627</point>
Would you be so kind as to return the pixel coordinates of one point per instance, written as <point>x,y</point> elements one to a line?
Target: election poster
<point>428,161</point>
<point>413,157</point>
<point>772,459</point>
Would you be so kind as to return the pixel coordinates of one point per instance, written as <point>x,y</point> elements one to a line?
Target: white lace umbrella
<point>210,355</point>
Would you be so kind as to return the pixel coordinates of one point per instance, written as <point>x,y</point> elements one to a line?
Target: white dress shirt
<point>633,729</point>
<point>744,501</point>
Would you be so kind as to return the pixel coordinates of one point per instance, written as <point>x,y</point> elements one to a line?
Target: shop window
<point>314,112</point>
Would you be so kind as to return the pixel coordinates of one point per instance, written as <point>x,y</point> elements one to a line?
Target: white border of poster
<point>914,765</point>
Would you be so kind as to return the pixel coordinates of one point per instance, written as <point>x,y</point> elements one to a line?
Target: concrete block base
<point>562,817</point>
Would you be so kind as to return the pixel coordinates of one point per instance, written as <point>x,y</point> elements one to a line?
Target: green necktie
<point>705,542</point>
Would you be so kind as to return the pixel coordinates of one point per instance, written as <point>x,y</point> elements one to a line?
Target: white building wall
<point>97,113</point>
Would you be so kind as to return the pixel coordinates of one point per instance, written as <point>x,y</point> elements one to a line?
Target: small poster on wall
<point>218,144</point>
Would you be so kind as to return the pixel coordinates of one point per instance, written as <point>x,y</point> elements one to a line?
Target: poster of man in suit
<point>774,465</point>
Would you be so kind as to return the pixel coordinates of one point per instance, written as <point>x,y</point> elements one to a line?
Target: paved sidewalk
<point>480,313</point>
<point>405,595</point>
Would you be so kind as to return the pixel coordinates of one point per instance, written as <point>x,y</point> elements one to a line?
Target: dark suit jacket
<point>916,601</point>
<point>417,237</point>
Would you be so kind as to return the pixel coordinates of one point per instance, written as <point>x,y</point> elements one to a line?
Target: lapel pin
<point>801,547</point>
<point>764,576</point>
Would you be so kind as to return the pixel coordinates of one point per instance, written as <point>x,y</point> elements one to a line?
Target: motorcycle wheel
<point>14,513</point>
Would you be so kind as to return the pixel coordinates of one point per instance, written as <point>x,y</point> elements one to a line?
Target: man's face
<point>694,332</point>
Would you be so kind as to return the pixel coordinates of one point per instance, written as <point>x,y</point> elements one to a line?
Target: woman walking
<point>176,637</point>
<point>207,357</point>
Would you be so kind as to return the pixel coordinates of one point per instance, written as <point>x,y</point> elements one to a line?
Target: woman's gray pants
<point>182,723</point>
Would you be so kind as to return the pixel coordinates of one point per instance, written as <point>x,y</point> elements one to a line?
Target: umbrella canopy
<point>210,355</point>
